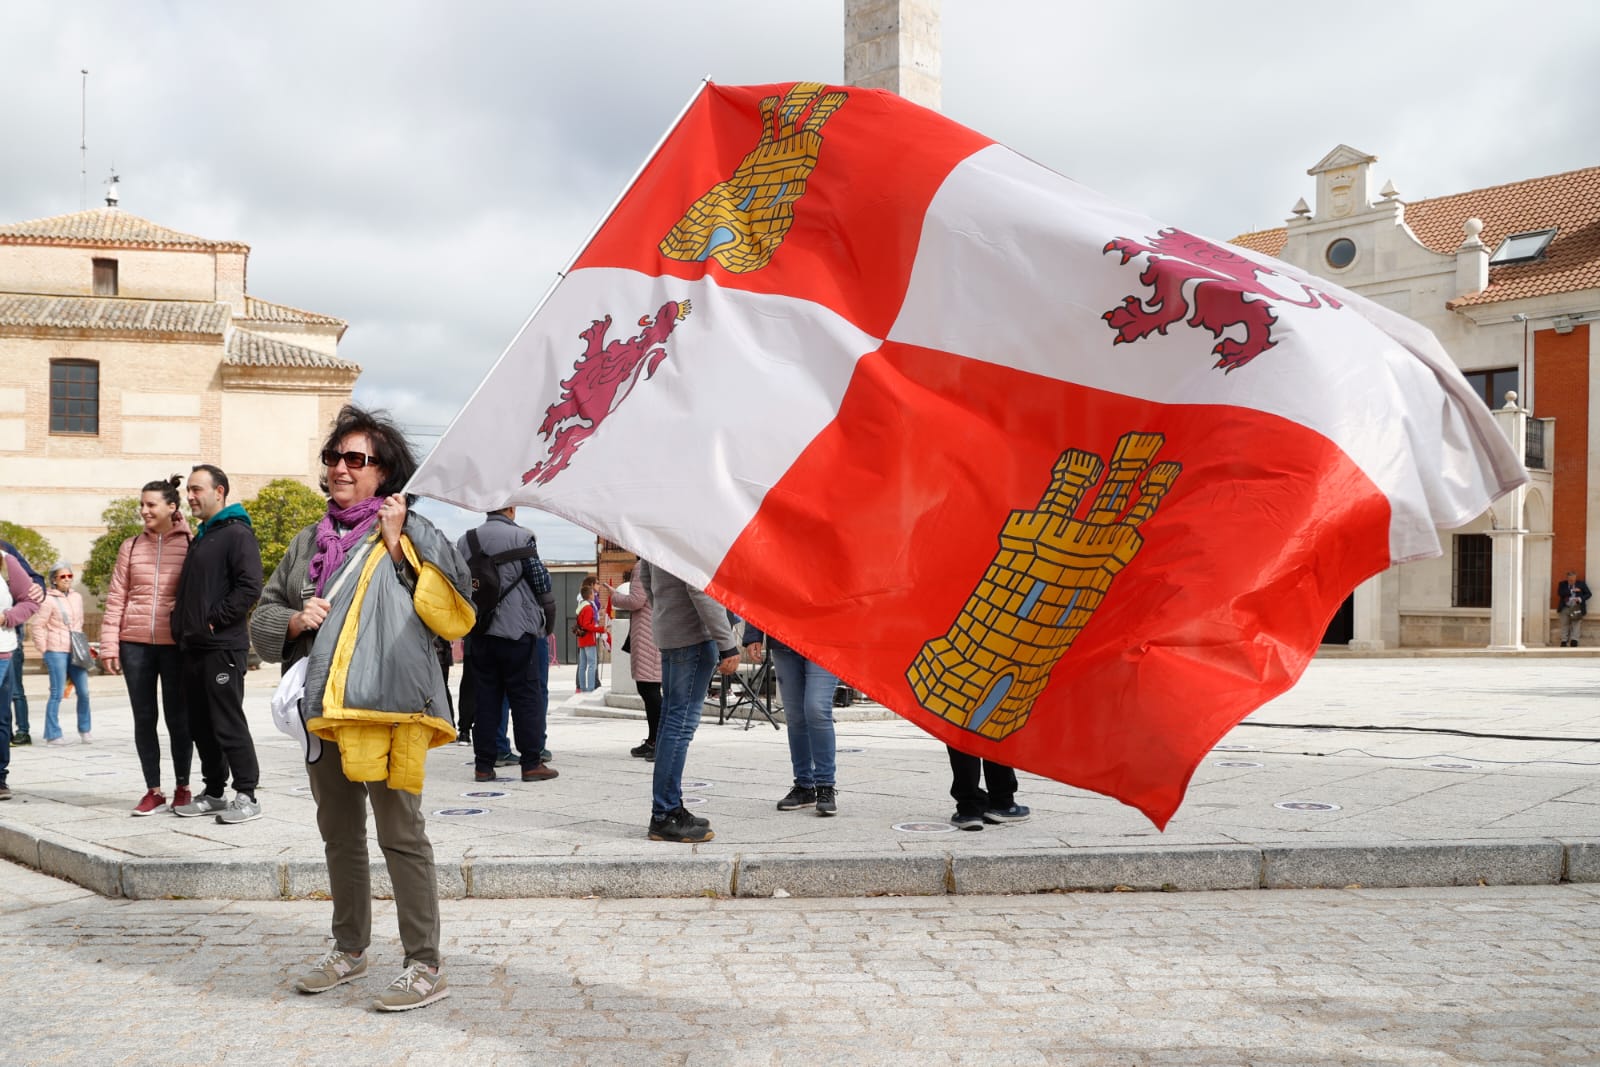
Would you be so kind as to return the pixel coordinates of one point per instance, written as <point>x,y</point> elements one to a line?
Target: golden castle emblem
<point>741,222</point>
<point>1052,571</point>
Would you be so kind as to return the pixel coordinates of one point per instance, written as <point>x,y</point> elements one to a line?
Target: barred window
<point>74,396</point>
<point>1474,570</point>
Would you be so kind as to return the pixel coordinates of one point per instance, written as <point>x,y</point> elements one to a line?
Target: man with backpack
<point>507,657</point>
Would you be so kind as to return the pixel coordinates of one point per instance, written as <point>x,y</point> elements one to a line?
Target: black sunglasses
<point>352,460</point>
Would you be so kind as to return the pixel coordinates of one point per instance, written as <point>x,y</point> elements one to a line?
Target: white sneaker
<point>86,738</point>
<point>415,987</point>
<point>58,742</point>
<point>202,804</point>
<point>240,809</point>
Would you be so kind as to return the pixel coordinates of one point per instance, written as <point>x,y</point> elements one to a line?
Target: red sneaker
<point>154,800</point>
<point>181,796</point>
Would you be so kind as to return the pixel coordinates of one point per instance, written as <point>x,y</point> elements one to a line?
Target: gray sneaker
<point>241,808</point>
<point>415,987</point>
<point>336,967</point>
<point>204,804</point>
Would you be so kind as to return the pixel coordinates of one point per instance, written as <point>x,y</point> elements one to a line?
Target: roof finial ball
<point>1472,227</point>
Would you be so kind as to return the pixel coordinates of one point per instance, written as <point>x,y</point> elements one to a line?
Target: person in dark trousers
<point>136,639</point>
<point>1573,597</point>
<point>976,805</point>
<point>219,584</point>
<point>445,653</point>
<point>644,658</point>
<point>510,660</point>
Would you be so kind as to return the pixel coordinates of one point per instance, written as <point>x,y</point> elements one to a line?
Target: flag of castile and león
<point>1069,488</point>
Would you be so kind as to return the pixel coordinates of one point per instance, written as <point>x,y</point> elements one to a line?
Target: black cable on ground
<point>1421,730</point>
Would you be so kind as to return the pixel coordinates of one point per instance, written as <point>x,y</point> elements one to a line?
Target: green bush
<point>282,509</point>
<point>122,522</point>
<point>32,544</point>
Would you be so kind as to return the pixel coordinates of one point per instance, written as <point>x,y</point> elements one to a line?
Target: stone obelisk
<point>894,45</point>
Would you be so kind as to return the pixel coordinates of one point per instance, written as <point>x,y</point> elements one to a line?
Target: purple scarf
<point>358,520</point>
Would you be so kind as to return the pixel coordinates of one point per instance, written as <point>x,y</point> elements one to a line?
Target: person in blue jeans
<point>589,625</point>
<point>13,694</point>
<point>807,692</point>
<point>59,616</point>
<point>696,641</point>
<point>19,600</point>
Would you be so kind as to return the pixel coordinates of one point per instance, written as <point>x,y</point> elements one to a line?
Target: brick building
<point>1508,278</point>
<point>131,352</point>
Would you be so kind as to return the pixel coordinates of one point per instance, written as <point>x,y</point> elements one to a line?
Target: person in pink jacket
<point>60,615</point>
<point>136,639</point>
<point>644,659</point>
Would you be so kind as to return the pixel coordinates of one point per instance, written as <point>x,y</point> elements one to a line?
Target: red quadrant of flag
<point>857,200</point>
<point>1244,561</point>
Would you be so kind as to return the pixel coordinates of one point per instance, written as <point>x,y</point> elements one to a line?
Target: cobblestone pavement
<point>1359,977</point>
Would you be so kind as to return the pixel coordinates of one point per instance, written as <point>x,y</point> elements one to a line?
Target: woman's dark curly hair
<point>389,445</point>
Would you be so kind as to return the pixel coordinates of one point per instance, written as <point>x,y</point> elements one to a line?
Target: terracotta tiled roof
<point>107,226</point>
<point>266,311</point>
<point>1267,242</point>
<point>1569,202</point>
<point>246,349</point>
<point>113,314</point>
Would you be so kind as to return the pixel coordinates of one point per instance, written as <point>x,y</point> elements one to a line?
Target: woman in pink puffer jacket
<point>136,638</point>
<point>60,615</point>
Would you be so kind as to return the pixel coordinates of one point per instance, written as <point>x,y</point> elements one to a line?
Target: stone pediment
<point>1342,156</point>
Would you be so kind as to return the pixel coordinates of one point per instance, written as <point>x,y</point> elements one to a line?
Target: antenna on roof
<point>111,187</point>
<point>83,145</point>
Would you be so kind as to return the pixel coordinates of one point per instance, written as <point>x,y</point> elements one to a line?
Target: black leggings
<point>142,666</point>
<point>650,693</point>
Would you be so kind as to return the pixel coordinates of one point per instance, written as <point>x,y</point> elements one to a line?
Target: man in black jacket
<point>219,584</point>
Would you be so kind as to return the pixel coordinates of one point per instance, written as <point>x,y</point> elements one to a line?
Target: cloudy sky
<point>423,170</point>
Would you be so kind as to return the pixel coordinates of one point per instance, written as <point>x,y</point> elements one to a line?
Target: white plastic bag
<point>286,710</point>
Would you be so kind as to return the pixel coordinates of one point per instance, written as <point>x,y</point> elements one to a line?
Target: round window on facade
<point>1341,253</point>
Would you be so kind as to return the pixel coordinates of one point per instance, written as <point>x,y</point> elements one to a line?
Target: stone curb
<point>1178,868</point>
<point>1186,868</point>
<point>1441,863</point>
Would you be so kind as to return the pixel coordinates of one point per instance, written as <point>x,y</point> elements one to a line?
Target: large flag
<point>1070,489</point>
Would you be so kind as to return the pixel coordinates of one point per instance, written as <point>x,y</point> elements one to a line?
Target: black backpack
<point>485,570</point>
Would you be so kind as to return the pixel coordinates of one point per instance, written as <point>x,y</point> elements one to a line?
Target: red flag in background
<point>1068,488</point>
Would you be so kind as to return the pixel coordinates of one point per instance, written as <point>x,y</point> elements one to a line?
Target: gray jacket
<point>394,667</point>
<point>684,616</point>
<point>530,603</point>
